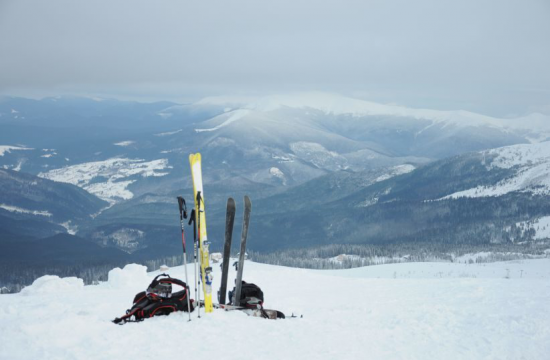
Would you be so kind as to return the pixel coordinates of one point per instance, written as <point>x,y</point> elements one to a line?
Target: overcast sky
<point>487,56</point>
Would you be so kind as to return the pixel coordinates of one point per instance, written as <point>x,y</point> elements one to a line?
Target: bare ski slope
<point>401,311</point>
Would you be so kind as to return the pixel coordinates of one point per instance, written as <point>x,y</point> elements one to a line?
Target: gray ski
<point>229,221</point>
<point>244,234</point>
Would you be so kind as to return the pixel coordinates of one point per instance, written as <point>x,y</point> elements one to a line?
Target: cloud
<point>460,53</point>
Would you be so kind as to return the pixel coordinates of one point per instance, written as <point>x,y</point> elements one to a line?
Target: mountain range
<point>320,168</point>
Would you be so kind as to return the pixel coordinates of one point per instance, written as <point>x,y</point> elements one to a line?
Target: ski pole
<point>183,215</point>
<point>195,262</point>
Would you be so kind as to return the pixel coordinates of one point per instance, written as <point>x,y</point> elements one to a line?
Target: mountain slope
<point>40,207</point>
<point>416,207</point>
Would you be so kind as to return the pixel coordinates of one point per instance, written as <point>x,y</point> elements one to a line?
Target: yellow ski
<point>200,223</point>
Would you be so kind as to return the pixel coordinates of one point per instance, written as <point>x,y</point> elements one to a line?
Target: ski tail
<point>244,235</point>
<point>259,312</point>
<point>229,221</point>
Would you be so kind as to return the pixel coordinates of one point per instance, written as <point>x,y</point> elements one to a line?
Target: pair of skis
<point>200,245</point>
<point>229,222</point>
<point>202,239</point>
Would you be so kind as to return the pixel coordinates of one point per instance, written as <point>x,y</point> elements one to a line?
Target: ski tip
<point>230,202</point>
<point>194,158</point>
<point>247,200</point>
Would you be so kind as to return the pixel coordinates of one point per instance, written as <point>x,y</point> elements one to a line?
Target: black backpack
<point>251,296</point>
<point>158,299</point>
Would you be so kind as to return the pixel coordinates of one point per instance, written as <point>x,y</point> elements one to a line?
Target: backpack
<point>252,296</point>
<point>252,302</point>
<point>158,299</point>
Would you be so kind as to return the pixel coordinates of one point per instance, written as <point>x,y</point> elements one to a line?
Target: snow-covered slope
<point>346,125</point>
<point>108,179</point>
<point>39,207</point>
<point>530,164</point>
<point>401,311</point>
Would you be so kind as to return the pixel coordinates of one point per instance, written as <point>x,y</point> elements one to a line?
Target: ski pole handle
<point>183,208</point>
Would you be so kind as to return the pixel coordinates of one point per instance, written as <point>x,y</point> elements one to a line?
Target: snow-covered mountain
<point>431,133</point>
<point>397,311</point>
<point>335,104</point>
<point>302,156</point>
<point>497,196</point>
<point>530,171</point>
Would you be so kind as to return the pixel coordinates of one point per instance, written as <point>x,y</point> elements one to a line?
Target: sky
<point>488,56</point>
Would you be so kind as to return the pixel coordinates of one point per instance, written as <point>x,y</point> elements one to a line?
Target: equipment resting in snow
<point>244,235</point>
<point>229,221</point>
<point>251,302</point>
<point>260,312</point>
<point>158,299</point>
<point>251,296</point>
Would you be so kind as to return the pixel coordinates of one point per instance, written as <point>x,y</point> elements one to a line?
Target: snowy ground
<point>397,311</point>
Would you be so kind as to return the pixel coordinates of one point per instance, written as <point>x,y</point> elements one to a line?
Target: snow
<point>164,115</point>
<point>52,284</point>
<point>340,105</point>
<point>8,149</point>
<point>124,143</point>
<point>276,172</point>
<point>541,226</point>
<point>288,158</point>
<point>233,116</point>
<point>18,167</point>
<point>531,166</point>
<point>319,156</point>
<point>133,277</point>
<point>168,133</point>
<point>126,239</point>
<point>510,156</point>
<point>110,191</point>
<point>19,210</point>
<point>395,171</point>
<point>226,100</point>
<point>71,229</point>
<point>114,173</point>
<point>536,124</point>
<point>397,311</point>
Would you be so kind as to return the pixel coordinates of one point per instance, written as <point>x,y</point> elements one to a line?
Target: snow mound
<point>131,276</point>
<point>53,284</point>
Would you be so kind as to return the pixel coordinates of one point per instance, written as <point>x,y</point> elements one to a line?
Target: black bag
<point>158,299</point>
<point>251,296</point>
